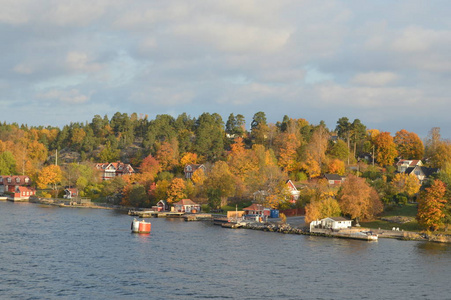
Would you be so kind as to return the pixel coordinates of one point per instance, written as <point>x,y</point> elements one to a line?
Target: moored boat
<point>140,226</point>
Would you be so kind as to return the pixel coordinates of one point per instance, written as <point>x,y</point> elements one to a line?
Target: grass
<point>408,210</point>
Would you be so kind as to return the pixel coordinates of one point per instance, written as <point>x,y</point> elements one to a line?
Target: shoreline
<point>272,226</point>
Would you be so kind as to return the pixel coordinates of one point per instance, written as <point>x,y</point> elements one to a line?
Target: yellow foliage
<point>188,158</point>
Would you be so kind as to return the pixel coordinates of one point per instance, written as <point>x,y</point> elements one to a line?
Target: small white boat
<point>140,226</point>
<point>365,235</point>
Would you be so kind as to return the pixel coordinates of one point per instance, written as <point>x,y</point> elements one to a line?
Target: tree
<point>343,130</point>
<point>431,206</point>
<point>288,155</point>
<point>150,166</point>
<point>385,149</point>
<point>358,134</point>
<point>188,158</point>
<point>209,140</point>
<point>358,199</point>
<point>336,166</point>
<point>176,191</point>
<point>317,210</point>
<point>409,145</point>
<point>109,153</point>
<point>7,163</point>
<point>315,152</point>
<point>339,150</point>
<point>406,183</point>
<point>167,154</point>
<point>221,179</point>
<point>235,125</point>
<point>259,127</point>
<point>49,176</point>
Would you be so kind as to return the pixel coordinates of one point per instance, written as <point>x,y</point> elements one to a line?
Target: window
<point>17,179</point>
<point>9,179</point>
<point>27,179</point>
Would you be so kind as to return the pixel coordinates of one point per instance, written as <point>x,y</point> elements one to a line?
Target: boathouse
<point>186,205</point>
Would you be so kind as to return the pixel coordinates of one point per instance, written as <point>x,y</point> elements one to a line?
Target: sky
<point>387,63</point>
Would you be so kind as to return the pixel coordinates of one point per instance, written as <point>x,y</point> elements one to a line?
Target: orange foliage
<point>336,166</point>
<point>358,199</point>
<point>409,145</point>
<point>288,152</point>
<point>150,166</point>
<point>50,175</point>
<point>176,191</point>
<point>167,154</point>
<point>386,149</point>
<point>431,206</point>
<point>188,158</point>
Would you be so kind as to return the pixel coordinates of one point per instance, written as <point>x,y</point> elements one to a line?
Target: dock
<point>356,234</point>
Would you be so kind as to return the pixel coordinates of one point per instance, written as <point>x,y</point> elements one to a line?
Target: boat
<point>364,235</point>
<point>140,226</point>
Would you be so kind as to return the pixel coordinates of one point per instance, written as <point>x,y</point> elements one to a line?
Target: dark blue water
<point>64,253</point>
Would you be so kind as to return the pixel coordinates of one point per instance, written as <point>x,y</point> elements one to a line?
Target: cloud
<point>72,96</point>
<point>374,78</point>
<point>309,59</point>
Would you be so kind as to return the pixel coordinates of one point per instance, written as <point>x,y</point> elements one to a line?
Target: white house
<point>331,223</point>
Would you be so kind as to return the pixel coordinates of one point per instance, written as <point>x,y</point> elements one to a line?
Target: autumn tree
<point>188,158</point>
<point>49,176</point>
<point>431,206</point>
<point>150,166</point>
<point>406,183</point>
<point>336,166</point>
<point>176,190</point>
<point>358,200</point>
<point>288,155</point>
<point>385,149</point>
<point>167,154</point>
<point>222,181</point>
<point>320,209</point>
<point>409,145</point>
<point>315,152</point>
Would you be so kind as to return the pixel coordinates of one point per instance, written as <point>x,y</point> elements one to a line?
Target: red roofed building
<point>111,170</point>
<point>18,188</point>
<point>254,209</point>
<point>186,205</point>
<point>403,164</point>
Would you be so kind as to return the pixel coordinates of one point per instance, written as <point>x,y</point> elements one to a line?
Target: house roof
<point>255,206</point>
<point>194,167</point>
<point>184,202</point>
<point>426,171</point>
<point>22,178</point>
<point>333,177</point>
<point>291,185</point>
<point>118,166</point>
<point>410,162</point>
<point>25,189</point>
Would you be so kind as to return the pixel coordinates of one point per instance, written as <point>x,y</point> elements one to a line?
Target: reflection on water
<point>51,252</point>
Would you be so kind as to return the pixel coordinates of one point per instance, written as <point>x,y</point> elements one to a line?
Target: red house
<point>17,188</point>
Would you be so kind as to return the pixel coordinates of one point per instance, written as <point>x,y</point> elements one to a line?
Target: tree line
<point>241,164</point>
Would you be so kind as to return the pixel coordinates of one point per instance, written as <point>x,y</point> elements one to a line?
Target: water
<point>63,253</point>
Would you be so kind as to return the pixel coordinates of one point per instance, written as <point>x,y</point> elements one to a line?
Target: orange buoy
<point>144,227</point>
